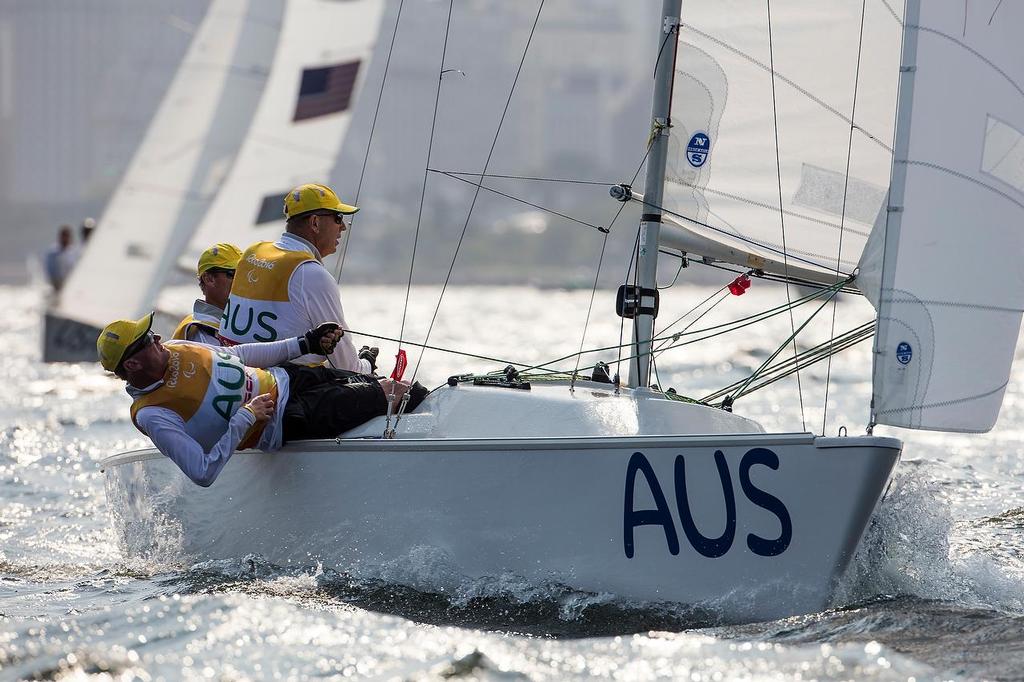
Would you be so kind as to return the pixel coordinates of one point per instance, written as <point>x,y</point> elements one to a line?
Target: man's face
<point>329,226</point>
<point>216,286</point>
<point>151,357</point>
<point>64,238</point>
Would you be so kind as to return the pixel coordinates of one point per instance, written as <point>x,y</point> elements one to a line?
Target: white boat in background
<point>300,125</point>
<point>172,179</point>
<point>630,490</point>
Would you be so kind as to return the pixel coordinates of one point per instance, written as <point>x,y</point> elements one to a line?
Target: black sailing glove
<point>316,341</point>
<point>370,355</point>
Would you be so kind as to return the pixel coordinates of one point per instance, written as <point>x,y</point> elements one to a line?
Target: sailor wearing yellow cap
<point>282,287</point>
<point>215,271</point>
<point>199,403</point>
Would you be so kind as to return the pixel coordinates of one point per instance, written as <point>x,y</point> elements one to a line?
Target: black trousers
<point>323,402</point>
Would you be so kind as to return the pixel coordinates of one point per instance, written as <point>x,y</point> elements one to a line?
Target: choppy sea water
<point>936,591</point>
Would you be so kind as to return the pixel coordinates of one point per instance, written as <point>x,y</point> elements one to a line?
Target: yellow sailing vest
<point>259,294</point>
<point>181,331</point>
<point>206,387</point>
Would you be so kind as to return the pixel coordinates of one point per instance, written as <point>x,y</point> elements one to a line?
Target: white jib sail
<point>179,166</point>
<point>738,133</point>
<point>952,280</point>
<point>303,116</point>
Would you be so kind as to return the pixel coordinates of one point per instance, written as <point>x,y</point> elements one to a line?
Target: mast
<point>641,301</point>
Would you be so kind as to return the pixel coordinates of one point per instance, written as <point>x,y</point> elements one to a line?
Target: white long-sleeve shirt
<point>315,294</point>
<point>167,429</point>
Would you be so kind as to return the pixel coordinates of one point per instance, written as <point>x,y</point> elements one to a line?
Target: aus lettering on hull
<point>709,546</point>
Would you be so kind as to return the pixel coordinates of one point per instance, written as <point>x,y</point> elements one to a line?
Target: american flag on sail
<point>326,90</point>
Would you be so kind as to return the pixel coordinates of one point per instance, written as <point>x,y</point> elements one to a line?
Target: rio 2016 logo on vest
<point>710,547</point>
<point>263,321</point>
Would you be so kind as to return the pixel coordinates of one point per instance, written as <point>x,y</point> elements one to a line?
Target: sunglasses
<point>136,346</point>
<point>338,217</point>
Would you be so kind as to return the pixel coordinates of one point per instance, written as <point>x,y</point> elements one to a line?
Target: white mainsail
<point>174,175</point>
<point>301,122</point>
<point>740,137</point>
<point>951,289</point>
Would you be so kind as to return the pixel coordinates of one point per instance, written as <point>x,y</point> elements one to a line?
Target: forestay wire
<point>782,214</point>
<point>842,217</point>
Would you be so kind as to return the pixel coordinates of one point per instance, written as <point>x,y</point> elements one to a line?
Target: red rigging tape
<point>400,363</point>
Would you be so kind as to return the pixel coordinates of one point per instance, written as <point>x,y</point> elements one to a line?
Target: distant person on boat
<point>282,288</point>
<point>60,258</point>
<point>86,229</point>
<point>198,404</point>
<point>215,271</point>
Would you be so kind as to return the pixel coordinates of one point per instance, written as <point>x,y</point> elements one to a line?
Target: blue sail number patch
<point>904,353</point>
<point>698,149</point>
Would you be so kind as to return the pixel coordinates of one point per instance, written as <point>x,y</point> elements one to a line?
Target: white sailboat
<point>298,129</point>
<point>172,179</point>
<point>625,490</point>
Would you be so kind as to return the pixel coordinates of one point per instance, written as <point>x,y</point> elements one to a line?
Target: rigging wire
<point>842,216</point>
<point>369,142</point>
<point>524,201</point>
<point>522,177</point>
<point>600,263</point>
<point>625,278</point>
<point>807,357</point>
<point>590,306</point>
<point>701,334</point>
<point>424,346</point>
<point>718,329</point>
<point>675,278</point>
<point>476,194</point>
<point>722,297</point>
<point>792,337</point>
<point>423,188</point>
<point>733,325</point>
<point>782,215</point>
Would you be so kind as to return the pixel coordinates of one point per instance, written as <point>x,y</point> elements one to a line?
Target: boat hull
<point>748,527</point>
<point>66,340</point>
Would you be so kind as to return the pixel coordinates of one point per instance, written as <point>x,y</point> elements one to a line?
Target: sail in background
<point>952,279</point>
<point>180,165</point>
<point>738,133</point>
<point>303,116</point>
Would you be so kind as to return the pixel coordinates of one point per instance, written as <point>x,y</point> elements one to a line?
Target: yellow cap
<point>224,256</point>
<point>117,336</point>
<point>306,198</point>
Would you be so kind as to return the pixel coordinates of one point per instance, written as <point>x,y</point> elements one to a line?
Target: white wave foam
<point>915,547</point>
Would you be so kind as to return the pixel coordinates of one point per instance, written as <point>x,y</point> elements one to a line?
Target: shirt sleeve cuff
<point>246,415</point>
